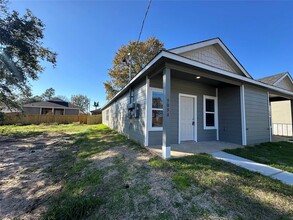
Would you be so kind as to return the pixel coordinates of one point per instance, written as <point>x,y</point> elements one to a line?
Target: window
<point>131,96</point>
<point>116,109</point>
<point>210,112</point>
<point>107,115</point>
<point>156,109</point>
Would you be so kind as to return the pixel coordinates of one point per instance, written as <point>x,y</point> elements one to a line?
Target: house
<point>280,110</point>
<point>54,106</point>
<point>96,111</point>
<point>198,92</point>
<point>6,110</point>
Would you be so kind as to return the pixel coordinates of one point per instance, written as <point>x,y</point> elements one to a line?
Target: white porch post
<point>166,148</point>
<point>292,114</point>
<point>243,116</point>
<point>270,116</point>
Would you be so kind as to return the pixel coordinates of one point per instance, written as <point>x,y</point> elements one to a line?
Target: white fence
<point>282,129</point>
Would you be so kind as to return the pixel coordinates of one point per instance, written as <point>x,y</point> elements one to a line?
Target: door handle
<point>192,123</point>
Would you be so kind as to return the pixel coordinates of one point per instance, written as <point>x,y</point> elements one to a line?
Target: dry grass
<point>105,176</point>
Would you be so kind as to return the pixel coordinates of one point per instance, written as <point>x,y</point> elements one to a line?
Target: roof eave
<point>182,59</point>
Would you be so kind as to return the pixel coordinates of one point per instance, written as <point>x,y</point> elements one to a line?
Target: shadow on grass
<point>80,182</point>
<point>248,195</point>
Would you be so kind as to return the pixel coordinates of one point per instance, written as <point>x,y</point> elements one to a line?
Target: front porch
<point>192,111</point>
<point>187,148</point>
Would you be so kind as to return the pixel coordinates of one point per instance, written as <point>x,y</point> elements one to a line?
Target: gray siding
<point>156,138</point>
<point>257,115</point>
<point>157,81</point>
<point>285,84</point>
<point>134,128</point>
<point>31,111</point>
<point>230,129</point>
<point>71,112</point>
<point>190,88</point>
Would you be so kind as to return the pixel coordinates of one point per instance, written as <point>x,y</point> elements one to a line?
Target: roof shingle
<point>271,80</point>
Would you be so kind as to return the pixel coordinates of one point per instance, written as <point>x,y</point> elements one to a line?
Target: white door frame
<point>195,116</point>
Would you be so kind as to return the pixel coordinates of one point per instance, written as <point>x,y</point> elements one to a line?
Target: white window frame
<point>150,109</point>
<point>205,97</point>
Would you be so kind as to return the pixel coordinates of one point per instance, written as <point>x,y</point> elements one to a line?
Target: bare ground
<point>130,187</point>
<point>24,186</point>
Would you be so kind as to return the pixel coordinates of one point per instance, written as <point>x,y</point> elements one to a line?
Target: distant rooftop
<point>271,80</point>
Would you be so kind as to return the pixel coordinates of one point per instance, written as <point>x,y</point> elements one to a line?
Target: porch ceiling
<point>277,97</point>
<point>202,79</point>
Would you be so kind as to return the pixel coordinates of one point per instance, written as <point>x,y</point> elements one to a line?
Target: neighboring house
<point>198,92</point>
<point>96,111</point>
<point>280,110</point>
<point>54,106</point>
<point>5,109</point>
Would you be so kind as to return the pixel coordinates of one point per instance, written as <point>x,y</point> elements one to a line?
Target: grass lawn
<point>277,154</point>
<point>106,176</point>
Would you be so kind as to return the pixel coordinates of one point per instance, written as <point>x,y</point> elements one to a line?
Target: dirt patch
<point>24,185</point>
<point>132,189</point>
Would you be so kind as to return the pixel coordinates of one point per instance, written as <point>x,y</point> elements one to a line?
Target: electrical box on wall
<point>133,110</point>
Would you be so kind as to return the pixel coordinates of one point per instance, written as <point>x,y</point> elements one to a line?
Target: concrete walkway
<point>263,169</point>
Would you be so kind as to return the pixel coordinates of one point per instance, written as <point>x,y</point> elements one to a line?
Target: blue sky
<point>86,35</point>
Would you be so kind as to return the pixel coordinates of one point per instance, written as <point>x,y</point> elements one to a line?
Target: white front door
<point>187,118</point>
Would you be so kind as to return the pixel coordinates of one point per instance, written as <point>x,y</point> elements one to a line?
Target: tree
<point>21,53</point>
<point>141,53</point>
<point>82,101</point>
<point>64,98</point>
<point>48,94</point>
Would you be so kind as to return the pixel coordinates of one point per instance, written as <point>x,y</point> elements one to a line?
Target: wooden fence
<point>16,118</point>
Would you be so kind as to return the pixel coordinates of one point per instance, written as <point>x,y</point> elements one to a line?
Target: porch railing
<point>282,129</point>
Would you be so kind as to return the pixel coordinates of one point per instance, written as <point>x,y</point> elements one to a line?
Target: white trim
<point>222,72</point>
<point>185,60</point>
<point>279,80</point>
<point>166,152</point>
<point>209,43</point>
<point>195,116</point>
<point>270,116</point>
<point>243,116</point>
<point>146,140</point>
<point>217,118</point>
<point>149,102</point>
<point>215,113</point>
<point>40,110</point>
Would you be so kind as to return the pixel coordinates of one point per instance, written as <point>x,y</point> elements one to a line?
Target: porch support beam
<point>243,115</point>
<point>291,101</point>
<point>166,148</point>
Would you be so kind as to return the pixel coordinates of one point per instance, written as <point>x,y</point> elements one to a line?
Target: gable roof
<point>274,79</point>
<point>219,45</point>
<point>50,105</point>
<point>166,54</point>
<point>56,100</point>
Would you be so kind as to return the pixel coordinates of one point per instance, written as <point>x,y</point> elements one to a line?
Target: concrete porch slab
<point>187,148</point>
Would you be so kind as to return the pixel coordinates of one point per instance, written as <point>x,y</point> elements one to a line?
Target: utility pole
<point>130,65</point>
